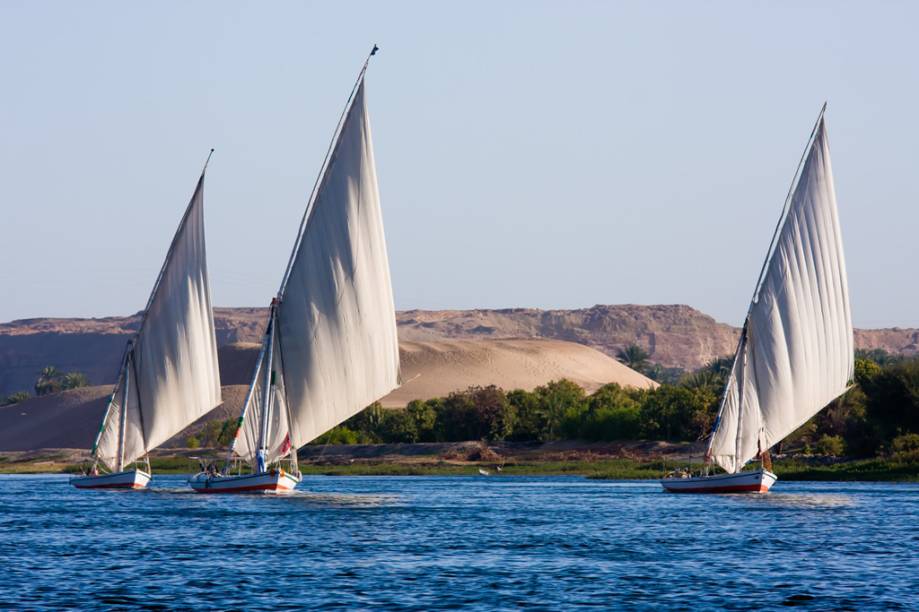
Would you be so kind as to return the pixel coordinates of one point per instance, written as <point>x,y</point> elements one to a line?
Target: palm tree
<point>701,378</point>
<point>47,381</point>
<point>634,356</point>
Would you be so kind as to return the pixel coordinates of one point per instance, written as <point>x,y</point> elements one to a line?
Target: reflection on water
<point>482,543</point>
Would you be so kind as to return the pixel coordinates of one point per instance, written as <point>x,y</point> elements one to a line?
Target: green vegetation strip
<point>869,470</point>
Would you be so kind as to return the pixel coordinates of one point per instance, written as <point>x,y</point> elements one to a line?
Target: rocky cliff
<point>674,335</point>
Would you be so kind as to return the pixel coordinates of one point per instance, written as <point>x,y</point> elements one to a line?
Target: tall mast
<point>269,380</point>
<point>249,393</point>
<point>769,254</point>
<point>124,416</point>
<point>122,369</point>
<point>322,172</point>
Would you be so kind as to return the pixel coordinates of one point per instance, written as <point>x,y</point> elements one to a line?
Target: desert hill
<point>71,419</point>
<point>674,335</point>
<point>435,368</point>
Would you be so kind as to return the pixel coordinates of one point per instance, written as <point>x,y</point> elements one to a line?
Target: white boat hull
<point>131,479</point>
<point>277,481</point>
<point>759,481</point>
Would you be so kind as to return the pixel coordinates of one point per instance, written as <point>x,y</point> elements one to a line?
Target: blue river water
<point>422,543</point>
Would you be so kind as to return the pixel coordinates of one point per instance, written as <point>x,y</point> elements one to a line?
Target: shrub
<point>424,415</point>
<point>615,423</point>
<point>398,426</point>
<point>677,413</point>
<point>905,447</point>
<point>530,422</point>
<point>15,398</point>
<point>493,412</point>
<point>74,380</point>
<point>831,445</point>
<point>556,401</point>
<point>337,435</point>
<point>228,431</point>
<point>192,442</point>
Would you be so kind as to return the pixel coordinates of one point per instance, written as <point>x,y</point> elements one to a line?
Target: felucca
<point>330,347</point>
<point>168,376</point>
<point>796,349</point>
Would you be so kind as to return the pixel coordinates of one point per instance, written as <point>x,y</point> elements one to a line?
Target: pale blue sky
<point>530,154</point>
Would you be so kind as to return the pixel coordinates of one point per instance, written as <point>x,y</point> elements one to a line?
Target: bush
<point>192,442</point>
<point>555,402</point>
<point>616,423</point>
<point>74,380</point>
<point>530,423</point>
<point>905,447</point>
<point>15,398</point>
<point>337,435</point>
<point>804,436</point>
<point>424,415</point>
<point>398,426</point>
<point>493,412</point>
<point>831,445</point>
<point>677,413</point>
<point>893,399</point>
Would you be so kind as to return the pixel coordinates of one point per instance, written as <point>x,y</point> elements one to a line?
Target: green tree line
<point>879,415</point>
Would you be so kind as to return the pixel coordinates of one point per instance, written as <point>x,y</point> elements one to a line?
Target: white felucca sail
<point>169,375</point>
<point>331,346</point>
<point>796,349</point>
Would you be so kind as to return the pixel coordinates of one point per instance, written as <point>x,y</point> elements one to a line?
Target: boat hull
<point>277,481</point>
<point>758,481</point>
<point>130,479</point>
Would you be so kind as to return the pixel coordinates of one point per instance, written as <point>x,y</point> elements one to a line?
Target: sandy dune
<point>430,369</point>
<point>63,420</point>
<point>435,368</point>
<point>71,419</point>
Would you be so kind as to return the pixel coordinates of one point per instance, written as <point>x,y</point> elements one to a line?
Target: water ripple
<point>458,543</point>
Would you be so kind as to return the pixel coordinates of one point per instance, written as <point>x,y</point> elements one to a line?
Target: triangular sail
<point>170,368</point>
<point>796,352</point>
<point>339,350</point>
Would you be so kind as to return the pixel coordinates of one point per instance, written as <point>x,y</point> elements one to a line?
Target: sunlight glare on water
<point>445,542</point>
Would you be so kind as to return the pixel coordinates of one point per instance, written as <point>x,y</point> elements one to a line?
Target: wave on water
<point>803,500</point>
<point>310,497</point>
<point>479,543</point>
<point>344,499</point>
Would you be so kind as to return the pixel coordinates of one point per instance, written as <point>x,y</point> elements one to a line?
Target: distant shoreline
<point>628,461</point>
